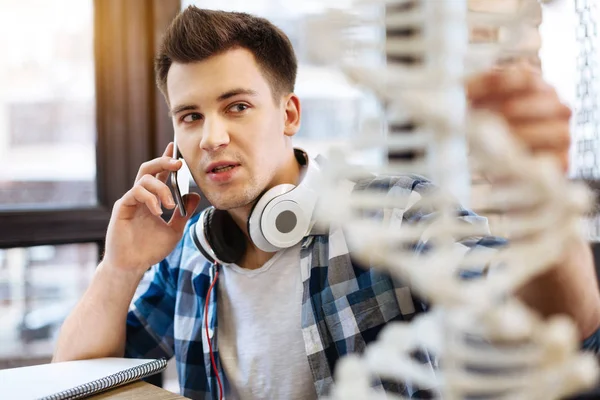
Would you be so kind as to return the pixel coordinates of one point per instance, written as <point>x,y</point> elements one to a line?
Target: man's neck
<point>254,257</point>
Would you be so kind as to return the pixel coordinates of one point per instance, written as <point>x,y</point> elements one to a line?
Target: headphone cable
<point>212,356</point>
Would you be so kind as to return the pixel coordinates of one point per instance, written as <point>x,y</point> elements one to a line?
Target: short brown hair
<point>197,34</point>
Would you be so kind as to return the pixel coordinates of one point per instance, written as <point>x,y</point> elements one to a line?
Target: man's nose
<point>214,135</point>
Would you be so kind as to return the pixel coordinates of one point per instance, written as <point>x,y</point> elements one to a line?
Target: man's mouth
<point>222,169</point>
<point>221,172</point>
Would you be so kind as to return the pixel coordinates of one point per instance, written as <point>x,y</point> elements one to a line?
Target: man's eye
<point>240,107</point>
<point>191,117</point>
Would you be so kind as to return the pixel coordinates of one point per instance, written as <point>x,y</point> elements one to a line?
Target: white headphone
<point>281,217</point>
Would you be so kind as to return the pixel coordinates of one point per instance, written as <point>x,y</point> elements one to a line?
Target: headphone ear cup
<point>227,240</point>
<point>257,229</point>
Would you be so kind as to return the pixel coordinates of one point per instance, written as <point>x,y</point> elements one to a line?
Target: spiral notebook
<point>74,379</point>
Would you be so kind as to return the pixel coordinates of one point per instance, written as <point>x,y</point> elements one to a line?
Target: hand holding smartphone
<point>180,181</point>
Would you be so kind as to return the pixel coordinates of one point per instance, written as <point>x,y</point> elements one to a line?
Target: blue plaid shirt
<point>344,305</point>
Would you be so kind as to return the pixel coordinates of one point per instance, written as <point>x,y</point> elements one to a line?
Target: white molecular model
<point>488,344</point>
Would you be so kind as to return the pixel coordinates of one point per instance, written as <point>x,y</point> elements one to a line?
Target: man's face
<point>232,134</point>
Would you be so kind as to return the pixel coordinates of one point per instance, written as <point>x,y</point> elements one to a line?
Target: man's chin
<point>231,198</point>
<point>231,204</point>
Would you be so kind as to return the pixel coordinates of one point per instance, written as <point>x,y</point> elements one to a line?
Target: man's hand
<point>530,105</point>
<point>137,236</point>
<point>540,121</point>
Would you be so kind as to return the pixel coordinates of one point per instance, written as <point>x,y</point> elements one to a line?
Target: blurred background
<point>79,112</point>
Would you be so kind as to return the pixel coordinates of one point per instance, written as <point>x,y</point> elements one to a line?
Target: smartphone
<point>179,181</point>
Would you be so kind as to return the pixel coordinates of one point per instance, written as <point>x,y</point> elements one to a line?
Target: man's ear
<point>292,114</point>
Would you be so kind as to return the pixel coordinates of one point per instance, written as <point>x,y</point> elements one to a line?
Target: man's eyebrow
<point>182,107</point>
<point>235,92</point>
<point>224,96</point>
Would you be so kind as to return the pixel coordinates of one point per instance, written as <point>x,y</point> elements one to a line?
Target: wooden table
<point>138,391</point>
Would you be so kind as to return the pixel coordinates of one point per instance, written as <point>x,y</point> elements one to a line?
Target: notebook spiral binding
<point>110,382</point>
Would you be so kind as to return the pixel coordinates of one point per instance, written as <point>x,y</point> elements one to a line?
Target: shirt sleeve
<point>149,332</point>
<point>592,343</point>
<point>414,209</point>
<point>417,213</point>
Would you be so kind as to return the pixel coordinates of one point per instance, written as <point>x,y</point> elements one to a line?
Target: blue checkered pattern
<point>344,306</point>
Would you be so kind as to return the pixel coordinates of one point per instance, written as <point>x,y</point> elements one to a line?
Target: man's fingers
<point>162,165</point>
<point>531,107</point>
<point>535,106</point>
<point>150,192</point>
<point>504,82</point>
<point>162,176</point>
<point>497,83</point>
<point>549,135</point>
<point>168,150</point>
<point>561,158</point>
<point>550,138</point>
<point>191,201</point>
<point>159,189</point>
<point>139,195</point>
<point>564,161</point>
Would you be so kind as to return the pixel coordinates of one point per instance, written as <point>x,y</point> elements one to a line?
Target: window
<point>570,62</point>
<point>38,287</point>
<point>47,109</point>
<point>79,113</point>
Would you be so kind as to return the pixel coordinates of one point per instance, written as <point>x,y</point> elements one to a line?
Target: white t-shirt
<point>259,333</point>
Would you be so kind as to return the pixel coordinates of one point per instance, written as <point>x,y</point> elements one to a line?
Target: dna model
<point>487,343</point>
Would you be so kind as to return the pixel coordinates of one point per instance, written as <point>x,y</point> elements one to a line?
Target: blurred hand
<point>539,119</point>
<point>530,105</point>
<point>137,236</point>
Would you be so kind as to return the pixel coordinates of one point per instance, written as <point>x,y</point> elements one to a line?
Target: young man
<point>274,324</point>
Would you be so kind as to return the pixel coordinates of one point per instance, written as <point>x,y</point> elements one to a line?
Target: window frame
<point>132,124</point>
